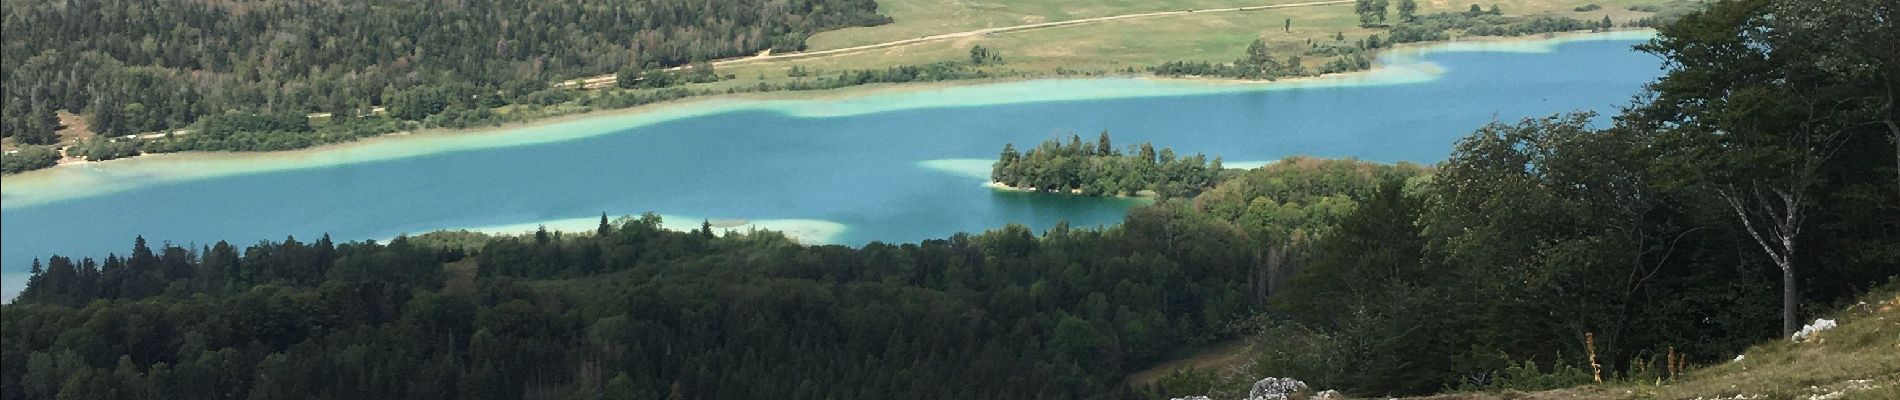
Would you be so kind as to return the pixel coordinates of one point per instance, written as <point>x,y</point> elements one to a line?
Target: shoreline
<point>999,186</point>
<point>1537,43</point>
<point>1397,65</point>
<point>802,230</point>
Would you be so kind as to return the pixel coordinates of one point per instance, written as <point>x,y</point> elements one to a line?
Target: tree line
<point>1257,63</point>
<point>1100,169</point>
<point>631,311</point>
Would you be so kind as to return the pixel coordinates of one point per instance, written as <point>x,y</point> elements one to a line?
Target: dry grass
<point>1863,351</point>
<point>1860,359</point>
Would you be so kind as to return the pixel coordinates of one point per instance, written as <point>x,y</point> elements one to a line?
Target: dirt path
<point>1233,353</point>
<point>604,80</point>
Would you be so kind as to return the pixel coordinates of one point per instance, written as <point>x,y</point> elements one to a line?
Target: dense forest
<point>1100,169</point>
<point>634,311</point>
<point>1756,181</point>
<point>139,66</point>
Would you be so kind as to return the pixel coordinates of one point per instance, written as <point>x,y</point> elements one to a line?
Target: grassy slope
<point>1858,360</point>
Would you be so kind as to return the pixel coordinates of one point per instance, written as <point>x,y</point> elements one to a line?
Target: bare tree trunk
<point>1790,305</point>
<point>1785,229</point>
<point>1893,128</point>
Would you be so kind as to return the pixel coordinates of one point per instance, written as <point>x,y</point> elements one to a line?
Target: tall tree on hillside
<point>1408,10</point>
<point>1756,109</point>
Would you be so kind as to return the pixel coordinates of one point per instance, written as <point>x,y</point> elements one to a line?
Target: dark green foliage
<point>941,71</point>
<point>28,158</point>
<point>1257,63</point>
<point>980,55</point>
<point>28,119</point>
<point>1797,149</point>
<point>1588,7</point>
<point>1347,64</point>
<point>1437,27</point>
<point>249,132</point>
<point>1534,235</point>
<point>1371,12</point>
<point>548,97</point>
<point>1538,233</point>
<point>101,148</point>
<point>631,76</point>
<point>1089,170</point>
<point>648,312</point>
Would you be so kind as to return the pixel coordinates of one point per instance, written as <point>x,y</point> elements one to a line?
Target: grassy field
<point>916,18</point>
<point>1110,46</point>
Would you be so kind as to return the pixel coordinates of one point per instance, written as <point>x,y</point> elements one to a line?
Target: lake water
<point>900,166</point>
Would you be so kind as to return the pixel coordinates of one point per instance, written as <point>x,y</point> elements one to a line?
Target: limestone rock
<point>1813,329</point>
<point>1275,389</point>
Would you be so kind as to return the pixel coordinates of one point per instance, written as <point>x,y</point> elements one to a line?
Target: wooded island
<point>1099,169</point>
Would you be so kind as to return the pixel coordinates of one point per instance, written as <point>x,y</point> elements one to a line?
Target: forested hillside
<point>135,66</point>
<point>631,308</point>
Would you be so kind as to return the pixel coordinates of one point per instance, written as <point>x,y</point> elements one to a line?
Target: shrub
<point>28,158</point>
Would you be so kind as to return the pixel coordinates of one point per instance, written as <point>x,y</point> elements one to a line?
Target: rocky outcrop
<point>1275,389</point>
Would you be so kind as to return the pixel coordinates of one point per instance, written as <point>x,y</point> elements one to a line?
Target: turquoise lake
<point>848,170</point>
